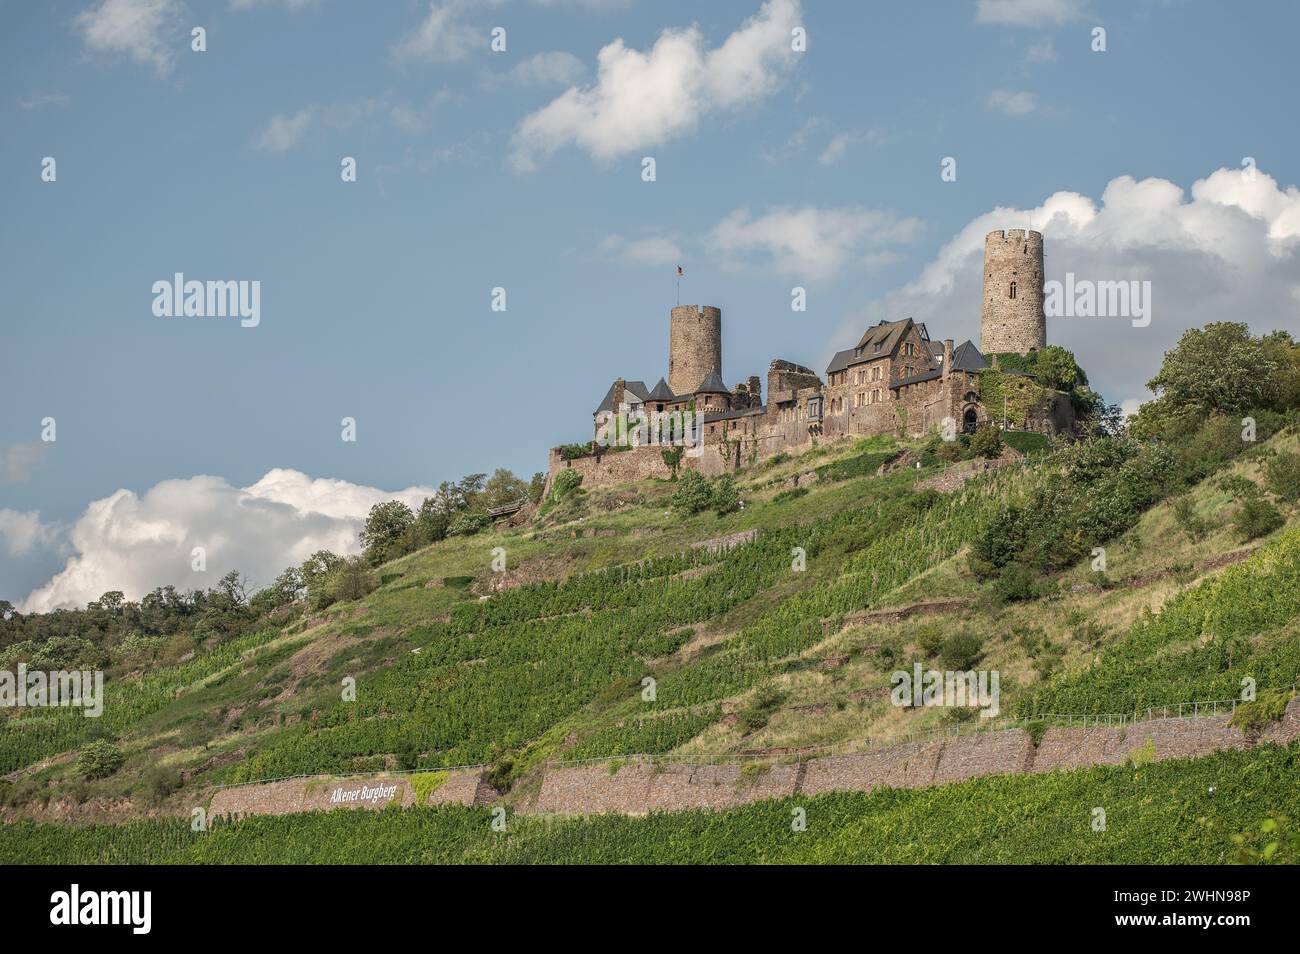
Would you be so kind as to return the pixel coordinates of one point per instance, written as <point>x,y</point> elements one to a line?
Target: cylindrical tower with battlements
<point>694,346</point>
<point>1012,317</point>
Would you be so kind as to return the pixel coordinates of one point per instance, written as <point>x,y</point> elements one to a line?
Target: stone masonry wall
<point>640,787</point>
<point>319,794</point>
<point>1013,324</point>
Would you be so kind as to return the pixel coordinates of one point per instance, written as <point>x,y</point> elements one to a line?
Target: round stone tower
<point>694,346</point>
<point>1012,317</point>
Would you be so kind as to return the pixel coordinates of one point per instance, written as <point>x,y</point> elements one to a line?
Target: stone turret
<point>1012,317</point>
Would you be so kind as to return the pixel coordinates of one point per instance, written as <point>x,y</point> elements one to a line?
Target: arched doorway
<point>969,421</point>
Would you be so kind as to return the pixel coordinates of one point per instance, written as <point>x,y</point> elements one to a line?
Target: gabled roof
<point>637,388</point>
<point>712,384</point>
<point>841,361</point>
<point>887,334</point>
<point>661,392</point>
<point>967,357</point>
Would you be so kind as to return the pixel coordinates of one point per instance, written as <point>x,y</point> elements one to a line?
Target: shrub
<point>1269,706</point>
<point>986,442</point>
<point>1257,518</point>
<point>949,451</point>
<point>99,759</point>
<point>351,581</point>
<point>1282,476</point>
<point>1185,516</point>
<point>565,483</point>
<point>724,495</point>
<point>961,651</point>
<point>469,523</point>
<point>692,495</point>
<point>756,713</point>
<point>792,494</point>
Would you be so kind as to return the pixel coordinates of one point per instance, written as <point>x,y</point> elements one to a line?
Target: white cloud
<point>809,242</point>
<point>41,100</point>
<point>1028,12</point>
<point>1043,51</point>
<point>283,132</point>
<point>136,543</point>
<point>21,459</point>
<point>555,68</point>
<point>21,531</point>
<point>835,150</point>
<point>645,99</point>
<point>1012,103</point>
<point>442,36</point>
<point>143,29</point>
<point>1230,252</point>
<point>287,4</point>
<point>654,250</point>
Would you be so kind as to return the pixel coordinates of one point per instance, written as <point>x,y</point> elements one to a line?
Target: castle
<point>895,380</point>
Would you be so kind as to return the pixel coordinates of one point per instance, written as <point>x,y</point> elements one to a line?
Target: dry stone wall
<point>637,788</point>
<point>323,794</point>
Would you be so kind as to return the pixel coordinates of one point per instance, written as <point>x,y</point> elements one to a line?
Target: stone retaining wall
<point>640,787</point>
<point>323,794</point>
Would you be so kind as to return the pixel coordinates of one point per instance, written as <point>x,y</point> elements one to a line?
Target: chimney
<point>947,358</point>
<point>619,387</point>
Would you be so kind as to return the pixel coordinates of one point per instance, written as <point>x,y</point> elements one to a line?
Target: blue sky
<point>522,169</point>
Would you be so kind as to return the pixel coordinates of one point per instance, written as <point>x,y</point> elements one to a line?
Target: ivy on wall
<point>1023,395</point>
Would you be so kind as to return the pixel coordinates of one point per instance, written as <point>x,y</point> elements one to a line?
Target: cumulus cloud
<point>1011,102</point>
<point>21,531</point>
<point>1028,12</point>
<point>555,68</point>
<point>1229,252</point>
<point>284,132</point>
<point>442,36</point>
<point>809,242</point>
<point>655,250</point>
<point>21,459</point>
<point>135,543</point>
<point>645,99</point>
<point>141,29</point>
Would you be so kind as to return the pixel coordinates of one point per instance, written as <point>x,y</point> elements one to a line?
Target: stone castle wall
<point>323,794</point>
<point>694,346</point>
<point>1013,324</point>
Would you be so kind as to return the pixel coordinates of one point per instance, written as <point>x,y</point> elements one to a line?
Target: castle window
<point>1013,289</point>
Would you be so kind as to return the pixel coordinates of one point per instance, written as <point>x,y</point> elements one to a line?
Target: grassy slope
<point>730,632</point>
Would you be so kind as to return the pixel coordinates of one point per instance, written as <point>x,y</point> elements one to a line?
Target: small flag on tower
<point>680,273</point>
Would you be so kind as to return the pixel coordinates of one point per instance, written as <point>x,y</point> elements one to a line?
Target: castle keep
<point>897,379</point>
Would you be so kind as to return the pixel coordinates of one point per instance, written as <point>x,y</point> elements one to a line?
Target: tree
<point>1220,367</point>
<point>692,495</point>
<point>503,487</point>
<point>1056,368</point>
<point>384,528</point>
<point>725,496</point>
<point>431,522</point>
<point>986,442</point>
<point>537,487</point>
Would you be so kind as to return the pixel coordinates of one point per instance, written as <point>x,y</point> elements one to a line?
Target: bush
<point>756,713</point>
<point>1257,518</point>
<point>469,523</point>
<point>961,651</point>
<point>693,494</point>
<point>1282,476</point>
<point>1185,516</point>
<point>792,494</point>
<point>565,483</point>
<point>1269,706</point>
<point>99,759</point>
<point>986,442</point>
<point>351,581</point>
<point>724,495</point>
<point>949,451</point>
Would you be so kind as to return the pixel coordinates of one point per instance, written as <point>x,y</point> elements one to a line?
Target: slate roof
<point>967,357</point>
<point>841,361</point>
<point>731,415</point>
<point>637,388</point>
<point>661,392</point>
<point>712,384</point>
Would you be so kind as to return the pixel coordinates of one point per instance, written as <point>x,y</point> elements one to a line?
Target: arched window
<point>1013,289</point>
